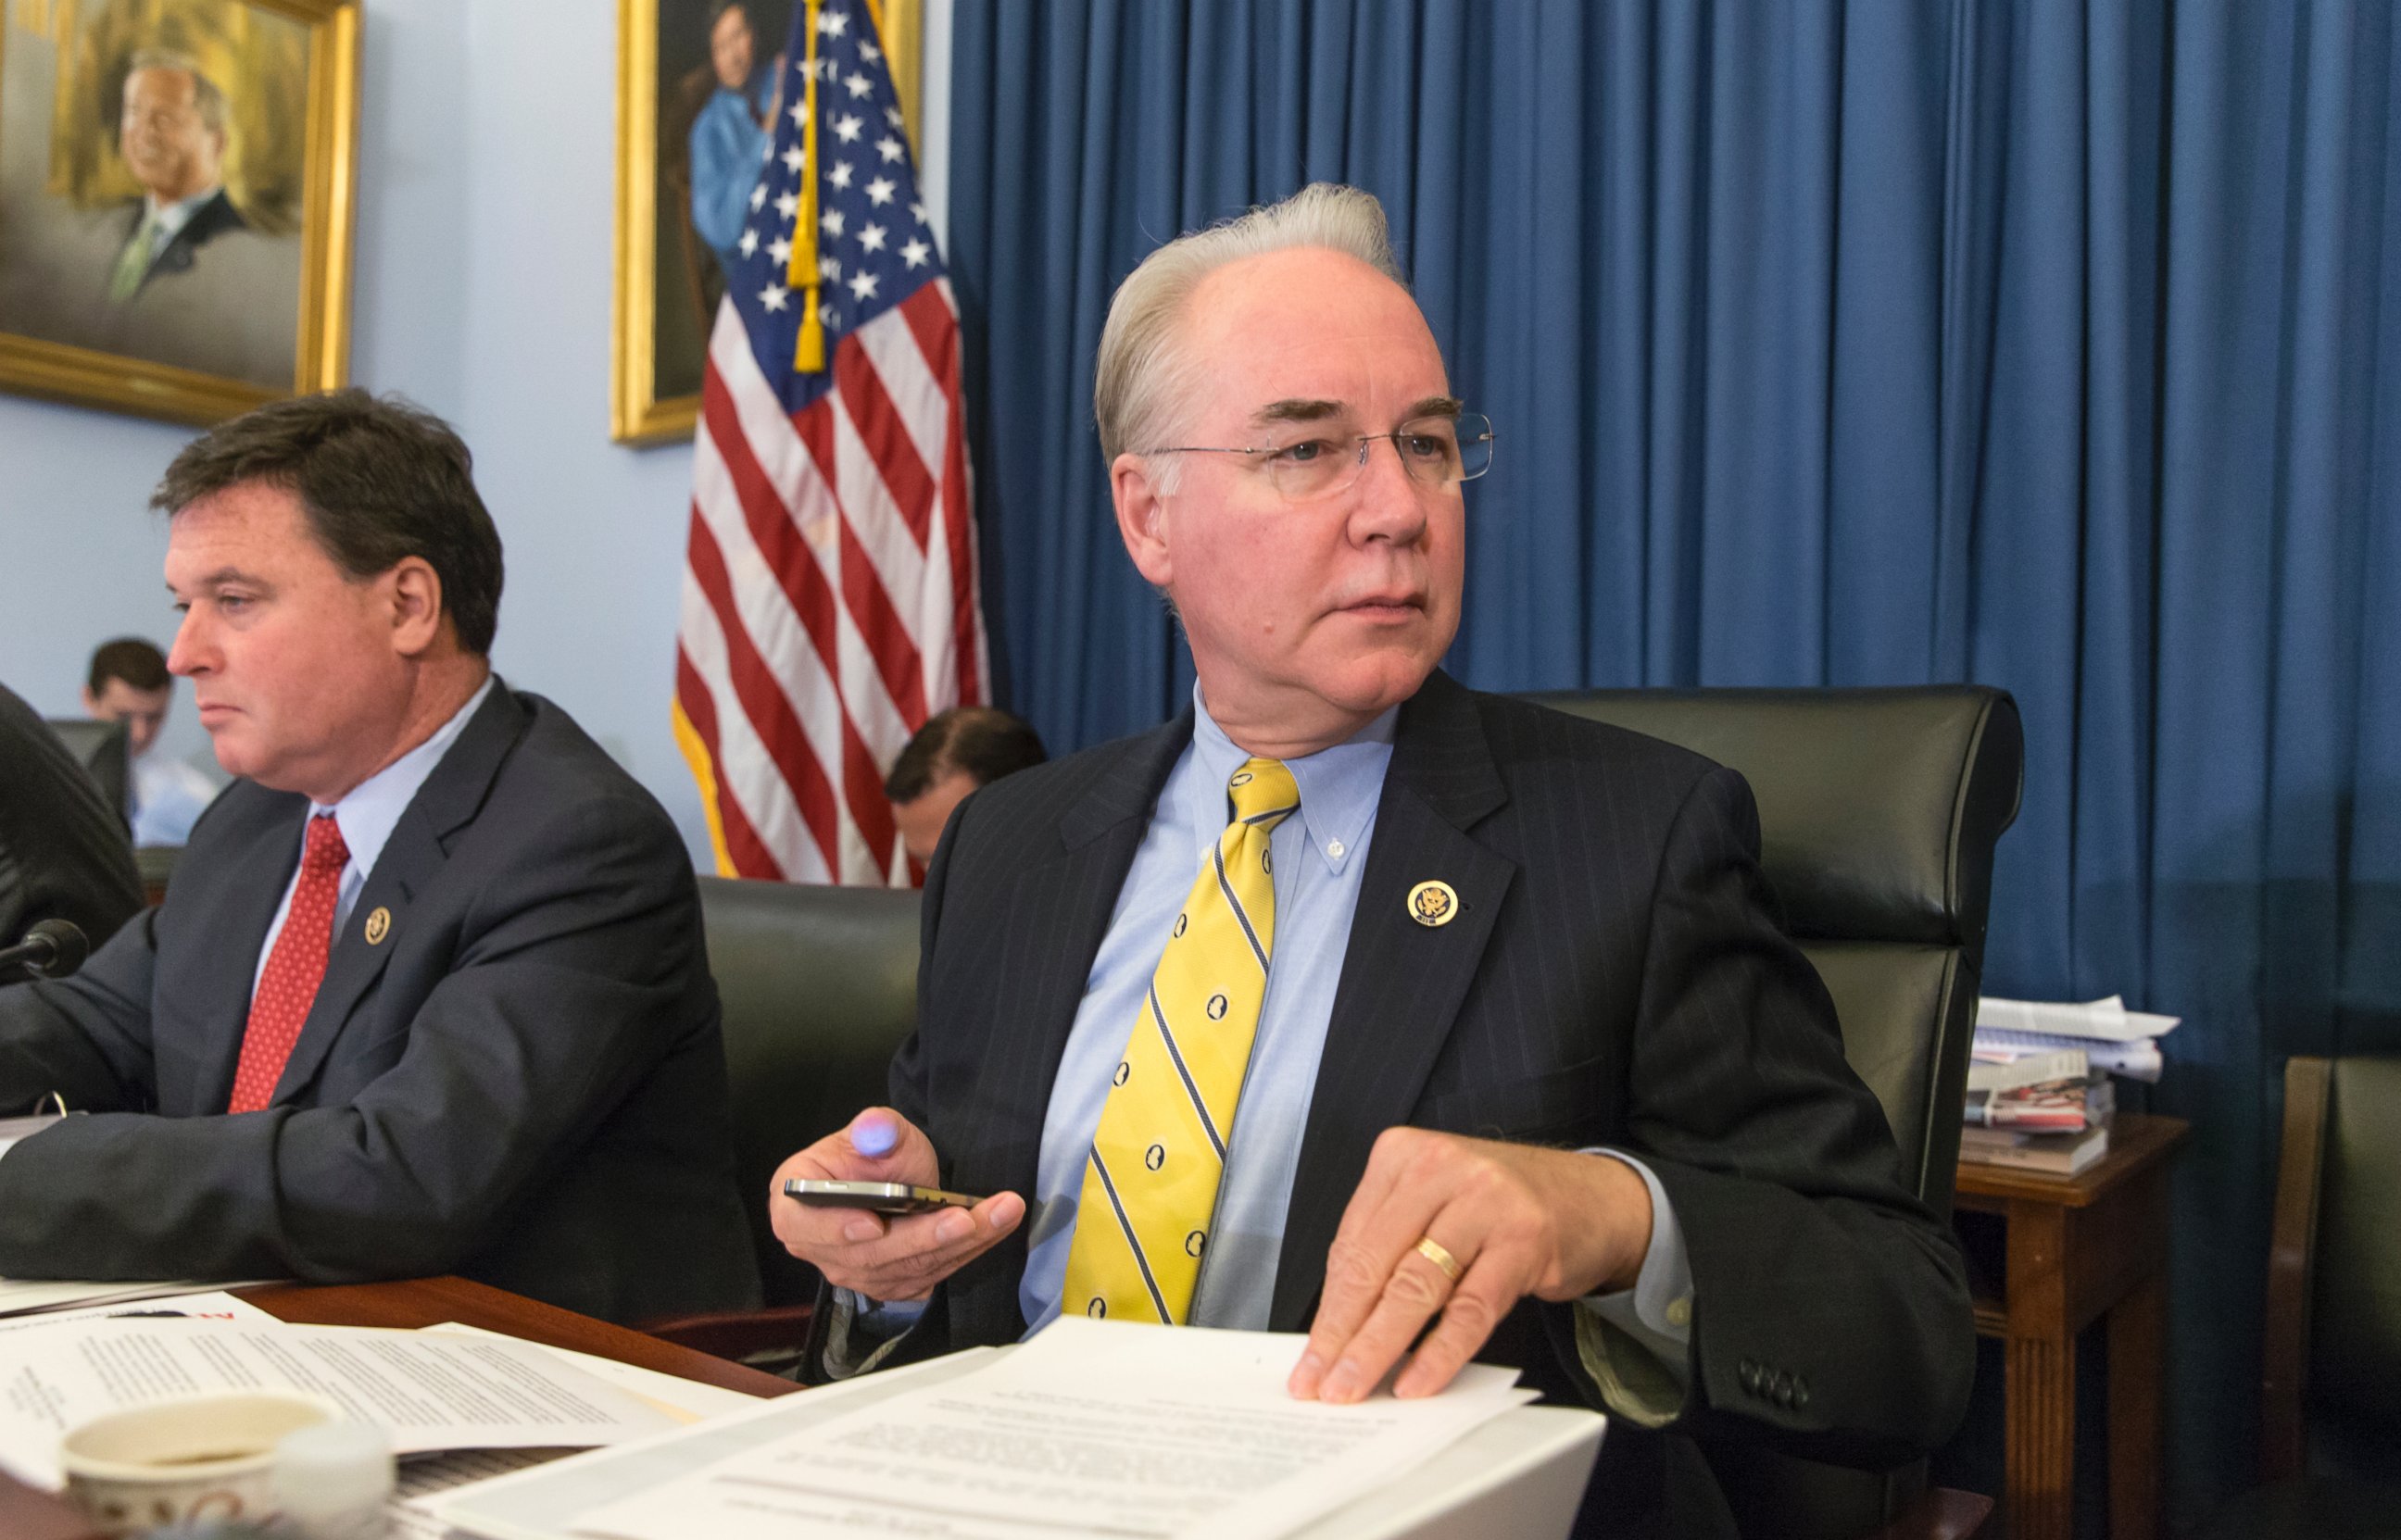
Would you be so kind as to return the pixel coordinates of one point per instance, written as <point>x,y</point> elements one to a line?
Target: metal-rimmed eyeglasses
<point>1319,460</point>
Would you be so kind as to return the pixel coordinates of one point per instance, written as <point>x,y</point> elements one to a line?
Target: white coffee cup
<point>207,1457</point>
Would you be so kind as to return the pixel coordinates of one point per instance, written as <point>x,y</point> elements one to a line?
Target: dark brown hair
<point>138,662</point>
<point>380,479</point>
<point>983,743</point>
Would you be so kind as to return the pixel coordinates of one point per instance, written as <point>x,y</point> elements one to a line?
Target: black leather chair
<point>818,987</point>
<point>1878,811</point>
<point>103,749</point>
<point>2329,1416</point>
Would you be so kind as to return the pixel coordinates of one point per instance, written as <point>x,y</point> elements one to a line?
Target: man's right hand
<point>899,1258</point>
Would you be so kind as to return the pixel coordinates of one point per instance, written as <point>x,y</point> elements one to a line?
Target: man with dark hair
<point>955,753</point>
<point>127,682</point>
<point>429,993</point>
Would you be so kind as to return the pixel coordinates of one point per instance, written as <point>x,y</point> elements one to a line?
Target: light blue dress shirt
<point>169,797</point>
<point>366,818</point>
<point>1320,854</point>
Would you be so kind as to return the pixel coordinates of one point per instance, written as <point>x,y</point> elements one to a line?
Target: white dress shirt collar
<point>369,813</point>
<point>170,219</point>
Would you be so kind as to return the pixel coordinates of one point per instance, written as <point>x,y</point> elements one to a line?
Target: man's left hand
<point>1514,1218</point>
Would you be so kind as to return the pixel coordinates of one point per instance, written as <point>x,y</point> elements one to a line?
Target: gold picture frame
<point>195,328</point>
<point>661,298</point>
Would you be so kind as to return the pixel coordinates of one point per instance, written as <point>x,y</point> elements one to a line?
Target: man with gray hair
<point>1434,1022</point>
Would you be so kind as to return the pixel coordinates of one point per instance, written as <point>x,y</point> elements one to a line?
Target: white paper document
<point>429,1392</point>
<point>25,1296</point>
<point>427,1478</point>
<point>1092,1428</point>
<point>2105,1019</point>
<point>212,1304</point>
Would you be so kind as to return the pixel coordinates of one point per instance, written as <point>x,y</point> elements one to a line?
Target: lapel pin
<point>379,925</point>
<point>1434,904</point>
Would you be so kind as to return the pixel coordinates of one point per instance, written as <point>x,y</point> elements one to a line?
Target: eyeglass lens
<point>1437,451</point>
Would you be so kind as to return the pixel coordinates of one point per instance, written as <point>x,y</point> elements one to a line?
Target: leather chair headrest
<point>1863,795</point>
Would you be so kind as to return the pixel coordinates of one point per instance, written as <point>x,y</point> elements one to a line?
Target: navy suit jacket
<point>520,1080</point>
<point>1615,976</point>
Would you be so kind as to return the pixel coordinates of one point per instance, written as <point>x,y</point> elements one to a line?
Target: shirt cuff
<point>1637,1342</point>
<point>864,1331</point>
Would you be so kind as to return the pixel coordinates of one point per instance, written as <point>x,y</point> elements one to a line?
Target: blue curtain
<point>2046,345</point>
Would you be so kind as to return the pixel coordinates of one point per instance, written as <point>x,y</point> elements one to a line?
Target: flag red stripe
<point>771,529</point>
<point>885,436</point>
<point>878,625</point>
<point>762,700</point>
<point>743,846</point>
<point>937,332</point>
<point>888,639</point>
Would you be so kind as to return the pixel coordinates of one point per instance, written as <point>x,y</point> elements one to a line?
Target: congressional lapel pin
<point>378,925</point>
<point>1434,904</point>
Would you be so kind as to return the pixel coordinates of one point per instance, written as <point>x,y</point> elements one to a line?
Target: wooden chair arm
<point>737,1334</point>
<point>1940,1513</point>
<point>2292,1251</point>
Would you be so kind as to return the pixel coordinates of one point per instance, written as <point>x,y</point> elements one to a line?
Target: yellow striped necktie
<point>1150,1184</point>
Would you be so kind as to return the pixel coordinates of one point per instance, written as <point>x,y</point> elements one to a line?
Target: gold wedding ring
<point>1435,1253</point>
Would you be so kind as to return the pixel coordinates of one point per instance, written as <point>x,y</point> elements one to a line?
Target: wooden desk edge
<point>414,1302</point>
<point>2136,1141</point>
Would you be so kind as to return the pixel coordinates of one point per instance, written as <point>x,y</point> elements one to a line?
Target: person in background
<point>955,753</point>
<point>62,849</point>
<point>129,683</point>
<point>731,134</point>
<point>429,993</point>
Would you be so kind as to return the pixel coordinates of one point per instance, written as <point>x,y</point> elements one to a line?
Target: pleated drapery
<point>2044,344</point>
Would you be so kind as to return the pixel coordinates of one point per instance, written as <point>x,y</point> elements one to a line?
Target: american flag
<point>829,599</point>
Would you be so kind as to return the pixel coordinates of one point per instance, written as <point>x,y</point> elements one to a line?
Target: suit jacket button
<point>1782,1389</point>
<point>1800,1391</point>
<point>1748,1372</point>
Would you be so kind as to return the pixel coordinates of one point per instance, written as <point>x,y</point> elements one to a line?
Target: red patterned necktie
<point>288,985</point>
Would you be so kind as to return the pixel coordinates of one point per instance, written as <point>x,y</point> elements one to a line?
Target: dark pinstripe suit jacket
<point>1615,976</point>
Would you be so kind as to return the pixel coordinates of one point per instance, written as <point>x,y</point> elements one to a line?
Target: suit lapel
<point>418,846</point>
<point>1402,982</point>
<point>1074,894</point>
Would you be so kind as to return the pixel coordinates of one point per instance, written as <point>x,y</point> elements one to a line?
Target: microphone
<point>54,948</point>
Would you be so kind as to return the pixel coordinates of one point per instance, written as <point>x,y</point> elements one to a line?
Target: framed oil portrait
<point>176,192</point>
<point>695,91</point>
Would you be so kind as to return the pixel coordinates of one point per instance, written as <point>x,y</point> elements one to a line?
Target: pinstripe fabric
<point>1615,976</point>
<point>1150,1183</point>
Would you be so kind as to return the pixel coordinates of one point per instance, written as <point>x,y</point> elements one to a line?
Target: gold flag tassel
<point>809,350</point>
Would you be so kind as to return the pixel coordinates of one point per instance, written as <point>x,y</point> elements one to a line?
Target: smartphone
<point>879,1197</point>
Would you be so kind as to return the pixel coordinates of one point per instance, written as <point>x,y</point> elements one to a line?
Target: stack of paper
<point>459,1403</point>
<point>2112,1037</point>
<point>427,1392</point>
<point>1091,1429</point>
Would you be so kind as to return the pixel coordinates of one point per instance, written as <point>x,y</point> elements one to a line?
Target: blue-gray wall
<point>486,170</point>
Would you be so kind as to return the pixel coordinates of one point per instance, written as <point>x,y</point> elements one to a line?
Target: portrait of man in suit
<point>1357,1002</point>
<point>150,180</point>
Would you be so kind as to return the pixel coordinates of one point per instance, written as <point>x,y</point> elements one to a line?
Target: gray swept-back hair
<point>1141,379</point>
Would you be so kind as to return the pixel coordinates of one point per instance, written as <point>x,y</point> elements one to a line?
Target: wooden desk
<point>26,1514</point>
<point>2079,1249</point>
